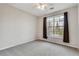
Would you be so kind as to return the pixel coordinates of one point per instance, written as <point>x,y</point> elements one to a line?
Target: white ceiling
<point>29,7</point>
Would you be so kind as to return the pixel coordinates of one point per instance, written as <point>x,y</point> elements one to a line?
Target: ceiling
<point>29,7</point>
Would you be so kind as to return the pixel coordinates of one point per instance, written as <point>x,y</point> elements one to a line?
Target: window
<point>55,26</point>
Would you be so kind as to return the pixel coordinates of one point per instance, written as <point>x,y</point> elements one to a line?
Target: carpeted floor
<point>39,48</point>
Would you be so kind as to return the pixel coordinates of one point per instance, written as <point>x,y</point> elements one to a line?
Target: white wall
<point>72,13</point>
<point>16,26</point>
<point>78,26</point>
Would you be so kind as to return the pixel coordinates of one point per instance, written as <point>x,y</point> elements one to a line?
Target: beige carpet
<point>39,48</point>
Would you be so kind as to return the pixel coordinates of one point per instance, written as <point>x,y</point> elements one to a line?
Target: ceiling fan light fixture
<point>41,6</point>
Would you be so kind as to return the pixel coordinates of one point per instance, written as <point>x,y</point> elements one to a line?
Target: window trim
<point>54,21</point>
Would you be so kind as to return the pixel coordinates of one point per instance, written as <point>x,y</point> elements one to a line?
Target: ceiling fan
<point>44,6</point>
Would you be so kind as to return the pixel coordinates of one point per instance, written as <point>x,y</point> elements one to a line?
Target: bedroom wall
<point>78,27</point>
<point>73,26</point>
<point>16,26</point>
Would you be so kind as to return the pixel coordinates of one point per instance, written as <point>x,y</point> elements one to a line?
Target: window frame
<point>53,17</point>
